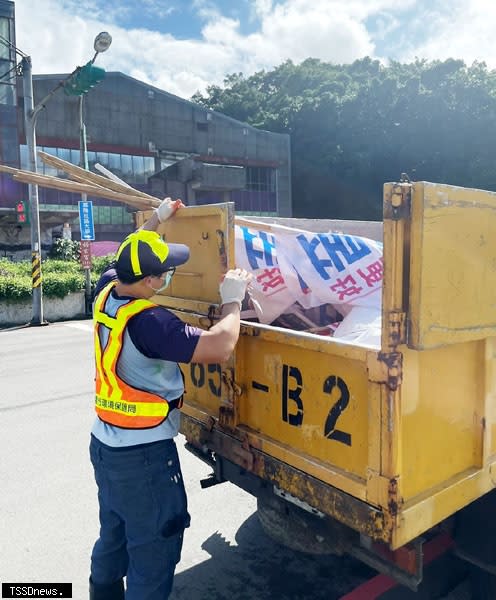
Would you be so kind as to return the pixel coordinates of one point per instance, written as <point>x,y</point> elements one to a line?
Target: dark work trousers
<point>143,514</point>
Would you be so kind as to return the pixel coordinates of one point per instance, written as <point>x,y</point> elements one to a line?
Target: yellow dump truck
<point>367,449</point>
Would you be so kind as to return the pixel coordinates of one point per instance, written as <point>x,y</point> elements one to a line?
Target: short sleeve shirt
<point>149,330</point>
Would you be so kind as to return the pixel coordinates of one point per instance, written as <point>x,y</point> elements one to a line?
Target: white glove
<point>233,286</point>
<point>167,208</point>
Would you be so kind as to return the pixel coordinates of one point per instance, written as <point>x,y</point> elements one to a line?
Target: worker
<point>139,390</point>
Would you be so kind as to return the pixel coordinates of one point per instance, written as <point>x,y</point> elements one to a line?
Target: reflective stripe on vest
<point>117,402</point>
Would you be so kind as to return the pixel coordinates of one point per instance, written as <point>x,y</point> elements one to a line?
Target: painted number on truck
<point>211,374</point>
<point>335,385</point>
<point>292,403</point>
<point>292,409</point>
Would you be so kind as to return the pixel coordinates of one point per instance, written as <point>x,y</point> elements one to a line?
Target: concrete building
<point>10,191</point>
<point>151,139</point>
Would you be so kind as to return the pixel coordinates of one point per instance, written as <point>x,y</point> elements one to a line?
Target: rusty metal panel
<point>314,402</point>
<point>300,398</point>
<point>325,498</point>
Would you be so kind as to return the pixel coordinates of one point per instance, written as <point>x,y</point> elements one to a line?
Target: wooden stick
<point>71,186</point>
<point>10,170</point>
<point>83,176</point>
<point>80,188</point>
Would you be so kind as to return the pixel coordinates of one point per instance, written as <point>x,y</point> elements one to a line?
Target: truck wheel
<point>482,584</point>
<point>475,534</point>
<point>295,528</point>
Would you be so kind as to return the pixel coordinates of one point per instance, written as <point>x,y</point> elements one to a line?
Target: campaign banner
<point>313,269</point>
<point>338,269</point>
<point>255,251</point>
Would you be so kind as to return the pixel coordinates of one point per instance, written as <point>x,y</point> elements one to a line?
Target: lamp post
<point>80,81</point>
<point>30,115</point>
<point>101,44</point>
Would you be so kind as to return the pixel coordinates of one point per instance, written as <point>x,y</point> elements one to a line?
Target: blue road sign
<point>86,220</point>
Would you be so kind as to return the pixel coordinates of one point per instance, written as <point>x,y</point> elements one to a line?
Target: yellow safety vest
<point>116,402</point>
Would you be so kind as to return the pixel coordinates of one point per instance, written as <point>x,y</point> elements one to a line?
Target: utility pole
<point>83,163</point>
<point>30,127</point>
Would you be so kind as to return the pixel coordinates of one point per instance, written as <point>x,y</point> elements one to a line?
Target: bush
<point>65,249</point>
<point>60,277</point>
<point>100,263</point>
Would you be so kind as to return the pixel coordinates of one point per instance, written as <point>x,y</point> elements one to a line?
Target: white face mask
<point>167,280</point>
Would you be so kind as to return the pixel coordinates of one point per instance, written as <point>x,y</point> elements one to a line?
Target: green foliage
<point>15,280</point>
<point>100,263</point>
<point>60,277</point>
<point>65,249</point>
<point>354,127</point>
<point>59,284</point>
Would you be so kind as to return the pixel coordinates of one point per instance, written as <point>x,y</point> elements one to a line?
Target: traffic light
<point>22,213</point>
<point>83,79</point>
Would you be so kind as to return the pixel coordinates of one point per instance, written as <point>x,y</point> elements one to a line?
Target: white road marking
<point>82,326</point>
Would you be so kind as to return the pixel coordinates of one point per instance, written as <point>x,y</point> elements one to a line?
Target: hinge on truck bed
<point>232,386</point>
<point>397,328</point>
<point>227,411</point>
<point>397,206</point>
<point>394,365</point>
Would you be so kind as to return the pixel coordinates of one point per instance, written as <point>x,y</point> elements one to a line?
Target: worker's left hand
<point>168,208</point>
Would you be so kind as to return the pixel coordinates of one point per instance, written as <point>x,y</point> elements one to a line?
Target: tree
<point>354,127</point>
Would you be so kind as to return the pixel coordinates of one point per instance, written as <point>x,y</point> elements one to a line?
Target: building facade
<point>10,191</point>
<point>152,140</point>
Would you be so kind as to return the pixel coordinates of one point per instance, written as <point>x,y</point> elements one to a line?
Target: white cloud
<point>156,8</point>
<point>459,29</point>
<point>59,34</point>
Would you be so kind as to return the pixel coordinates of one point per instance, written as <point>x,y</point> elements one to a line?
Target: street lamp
<point>92,77</point>
<point>80,81</point>
<point>102,42</point>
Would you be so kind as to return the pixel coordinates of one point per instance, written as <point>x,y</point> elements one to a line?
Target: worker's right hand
<point>233,286</point>
<point>168,208</point>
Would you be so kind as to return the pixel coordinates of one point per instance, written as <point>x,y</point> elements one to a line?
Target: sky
<point>183,46</point>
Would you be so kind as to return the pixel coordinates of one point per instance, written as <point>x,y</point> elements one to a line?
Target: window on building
<point>131,168</point>
<point>7,63</point>
<point>75,156</point>
<point>114,164</point>
<point>138,169</point>
<point>7,95</point>
<point>64,154</point>
<point>8,145</point>
<point>149,166</point>
<point>127,167</point>
<point>260,179</point>
<point>102,158</point>
<point>5,33</point>
<point>91,157</point>
<point>44,168</point>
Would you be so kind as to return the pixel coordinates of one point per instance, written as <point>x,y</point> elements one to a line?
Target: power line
<point>10,45</point>
<point>14,68</point>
